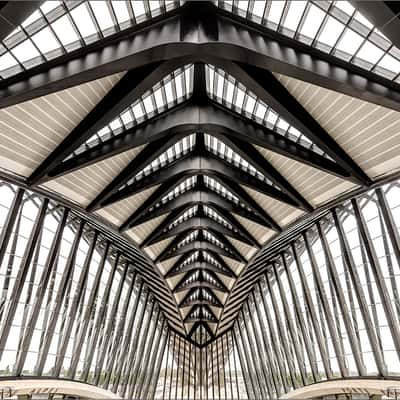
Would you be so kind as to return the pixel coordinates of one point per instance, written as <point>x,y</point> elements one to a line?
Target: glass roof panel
<point>189,213</point>
<point>334,27</point>
<point>215,186</point>
<point>183,187</point>
<point>220,149</point>
<point>57,28</point>
<point>211,213</point>
<point>143,109</point>
<point>211,260</point>
<point>173,153</point>
<point>214,240</point>
<point>188,239</point>
<point>246,103</point>
<point>208,278</point>
<point>193,277</point>
<point>191,259</point>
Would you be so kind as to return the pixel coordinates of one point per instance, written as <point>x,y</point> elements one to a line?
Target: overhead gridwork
<point>220,149</point>
<point>214,164</point>
<point>335,27</point>
<point>175,152</point>
<point>211,213</point>
<point>60,27</point>
<point>172,90</point>
<point>188,239</point>
<point>212,239</point>
<point>225,89</point>
<point>187,214</point>
<point>183,187</point>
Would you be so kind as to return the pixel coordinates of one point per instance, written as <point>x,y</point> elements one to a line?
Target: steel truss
<point>202,35</point>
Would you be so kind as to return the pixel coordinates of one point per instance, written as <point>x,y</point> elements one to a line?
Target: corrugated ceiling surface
<point>30,131</point>
<point>83,185</point>
<point>370,134</point>
<point>316,186</point>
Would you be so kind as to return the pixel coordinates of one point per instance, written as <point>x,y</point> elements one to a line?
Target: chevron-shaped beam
<point>198,265</point>
<point>191,197</point>
<point>269,90</point>
<point>197,222</point>
<point>140,45</point>
<point>200,242</point>
<point>223,267</point>
<point>200,297</point>
<point>200,308</point>
<point>200,282</point>
<point>128,89</point>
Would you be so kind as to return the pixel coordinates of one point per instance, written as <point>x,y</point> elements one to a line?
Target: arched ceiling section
<point>199,130</point>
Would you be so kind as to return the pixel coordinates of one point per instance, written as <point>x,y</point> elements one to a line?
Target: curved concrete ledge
<point>345,386</point>
<point>56,386</point>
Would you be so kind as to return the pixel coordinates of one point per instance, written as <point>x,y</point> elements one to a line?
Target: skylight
<point>187,214</point>
<point>179,189</point>
<point>216,187</point>
<point>192,278</point>
<point>57,28</point>
<point>211,213</point>
<point>211,260</point>
<point>220,149</point>
<point>188,239</point>
<point>183,187</point>
<point>225,89</point>
<point>172,90</point>
<point>175,152</point>
<point>208,278</point>
<point>212,239</point>
<point>200,293</point>
<point>334,27</point>
<point>191,259</point>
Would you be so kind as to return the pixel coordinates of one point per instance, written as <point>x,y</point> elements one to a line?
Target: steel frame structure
<point>215,332</point>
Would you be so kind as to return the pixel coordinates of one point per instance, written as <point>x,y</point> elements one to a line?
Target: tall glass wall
<point>328,305</point>
<point>212,371</point>
<point>71,304</point>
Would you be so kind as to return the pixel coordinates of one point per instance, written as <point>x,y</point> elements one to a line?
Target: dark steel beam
<point>199,244</point>
<point>215,302</point>
<point>268,89</point>
<point>236,224</point>
<point>128,89</point>
<point>192,164</point>
<point>9,222</point>
<point>217,119</point>
<point>385,15</point>
<point>198,265</point>
<point>144,133</point>
<point>128,49</point>
<point>199,307</point>
<point>151,152</point>
<point>191,197</point>
<point>213,118</point>
<point>196,222</point>
<point>249,202</point>
<point>239,39</point>
<point>13,13</point>
<point>152,238</point>
<point>139,215</point>
<point>199,284</point>
<point>249,153</point>
<point>20,278</point>
<point>276,52</point>
<point>223,266</point>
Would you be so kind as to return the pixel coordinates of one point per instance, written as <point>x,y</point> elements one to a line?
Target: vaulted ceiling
<point>201,131</point>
